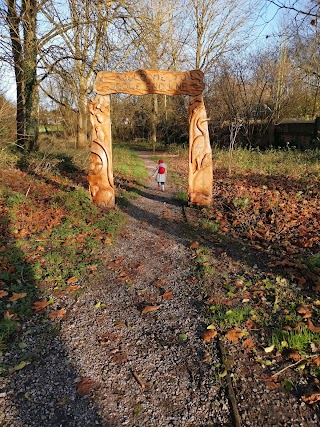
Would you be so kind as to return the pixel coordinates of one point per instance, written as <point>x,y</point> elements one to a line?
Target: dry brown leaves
<point>312,327</point>
<point>167,295</point>
<point>311,398</point>
<point>57,314</point>
<point>194,245</point>
<point>209,335</point>
<point>40,306</point>
<point>149,309</point>
<point>3,293</point>
<point>235,335</point>
<point>86,385</point>
<point>16,296</point>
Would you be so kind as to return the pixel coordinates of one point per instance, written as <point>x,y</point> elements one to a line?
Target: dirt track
<point>111,364</point>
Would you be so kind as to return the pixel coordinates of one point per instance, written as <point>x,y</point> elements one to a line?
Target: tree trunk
<point>82,121</point>
<point>24,51</point>
<point>154,121</point>
<point>17,53</point>
<point>30,74</point>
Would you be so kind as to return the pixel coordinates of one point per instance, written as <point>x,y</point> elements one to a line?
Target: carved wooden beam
<point>144,82</point>
<point>200,178</point>
<point>100,171</point>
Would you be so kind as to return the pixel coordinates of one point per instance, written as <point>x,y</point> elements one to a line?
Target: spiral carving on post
<point>100,170</point>
<point>144,82</point>
<point>200,178</point>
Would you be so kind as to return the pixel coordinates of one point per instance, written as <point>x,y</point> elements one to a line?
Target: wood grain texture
<point>100,171</point>
<point>200,178</point>
<point>144,82</point>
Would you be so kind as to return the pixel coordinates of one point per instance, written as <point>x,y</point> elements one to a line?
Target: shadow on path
<point>43,391</point>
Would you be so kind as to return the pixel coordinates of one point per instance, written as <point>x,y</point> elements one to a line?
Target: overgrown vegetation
<point>52,236</point>
<point>259,259</point>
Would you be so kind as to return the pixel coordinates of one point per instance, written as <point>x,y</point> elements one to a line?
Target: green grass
<point>270,162</point>
<point>47,256</point>
<point>297,340</point>
<point>182,196</point>
<point>128,164</point>
<point>229,317</point>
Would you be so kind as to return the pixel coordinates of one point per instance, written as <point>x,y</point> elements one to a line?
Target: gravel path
<point>129,352</point>
<point>109,364</point>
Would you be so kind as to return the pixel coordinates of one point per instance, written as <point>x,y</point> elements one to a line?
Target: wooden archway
<point>144,82</point>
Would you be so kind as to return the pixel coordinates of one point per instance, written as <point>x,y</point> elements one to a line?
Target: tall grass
<point>270,162</point>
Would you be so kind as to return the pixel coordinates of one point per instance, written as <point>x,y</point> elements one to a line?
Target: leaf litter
<point>266,220</point>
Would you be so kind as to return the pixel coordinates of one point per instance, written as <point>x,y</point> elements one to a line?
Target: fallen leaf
<point>248,343</point>
<point>223,373</point>
<point>18,367</point>
<point>115,265</point>
<point>250,324</point>
<point>150,308</point>
<point>108,338</point>
<point>302,281</point>
<point>10,315</point>
<point>118,324</point>
<point>194,245</point>
<point>120,357</point>
<point>182,337</point>
<point>72,288</point>
<point>16,296</point>
<point>40,306</point>
<point>159,283</point>
<point>304,311</point>
<point>57,314</point>
<point>122,279</point>
<point>209,335</point>
<point>212,326</point>
<point>270,381</point>
<point>167,295</point>
<point>269,349</point>
<point>290,353</point>
<point>235,334</point>
<point>316,360</point>
<point>311,398</point>
<point>139,266</point>
<point>312,327</point>
<point>85,385</point>
<point>72,279</point>
<point>3,293</point>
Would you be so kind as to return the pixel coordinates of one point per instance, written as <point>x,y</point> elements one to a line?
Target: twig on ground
<point>231,394</point>
<point>138,379</point>
<point>293,365</point>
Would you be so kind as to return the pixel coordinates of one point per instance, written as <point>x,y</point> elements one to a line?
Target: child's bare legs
<point>162,186</point>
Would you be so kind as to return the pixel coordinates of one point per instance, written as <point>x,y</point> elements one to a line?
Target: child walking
<point>161,174</point>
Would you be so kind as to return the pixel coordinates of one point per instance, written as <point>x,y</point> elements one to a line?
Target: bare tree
<point>21,21</point>
<point>95,33</point>
<point>160,46</point>
<point>217,26</point>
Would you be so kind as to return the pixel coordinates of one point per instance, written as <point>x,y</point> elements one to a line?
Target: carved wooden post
<point>145,82</point>
<point>100,171</point>
<point>200,177</point>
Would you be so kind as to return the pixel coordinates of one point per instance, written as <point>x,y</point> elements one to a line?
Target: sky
<point>265,29</point>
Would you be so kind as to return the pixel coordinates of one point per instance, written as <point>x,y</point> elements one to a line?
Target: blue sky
<point>266,25</point>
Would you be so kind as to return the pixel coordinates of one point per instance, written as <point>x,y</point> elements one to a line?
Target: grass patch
<point>270,162</point>
<point>51,233</point>
<point>127,164</point>
<point>229,317</point>
<point>296,340</point>
<point>182,196</point>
